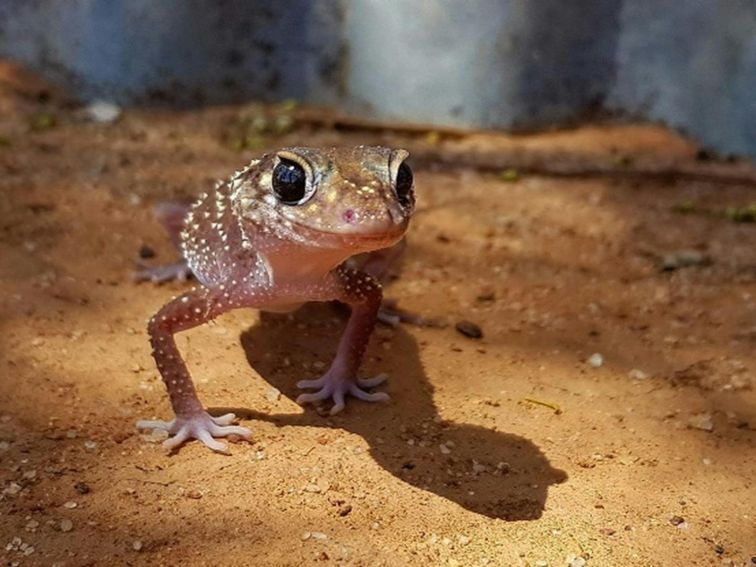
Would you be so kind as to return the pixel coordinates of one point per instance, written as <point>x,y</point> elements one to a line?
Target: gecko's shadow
<point>492,473</point>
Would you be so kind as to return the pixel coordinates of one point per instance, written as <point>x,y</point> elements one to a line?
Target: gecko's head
<point>361,197</point>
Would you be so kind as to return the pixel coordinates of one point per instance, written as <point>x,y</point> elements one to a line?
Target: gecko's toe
<point>226,430</point>
<point>313,397</point>
<point>204,436</point>
<point>155,424</point>
<point>369,396</point>
<point>225,419</point>
<point>338,402</point>
<point>372,382</point>
<point>177,440</point>
<point>307,384</point>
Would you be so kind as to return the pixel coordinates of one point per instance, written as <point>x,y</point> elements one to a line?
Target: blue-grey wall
<point>489,63</point>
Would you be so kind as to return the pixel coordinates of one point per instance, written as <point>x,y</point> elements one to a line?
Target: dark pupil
<point>404,183</point>
<point>289,182</point>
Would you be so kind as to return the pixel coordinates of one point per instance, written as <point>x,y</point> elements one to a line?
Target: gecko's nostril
<point>350,216</point>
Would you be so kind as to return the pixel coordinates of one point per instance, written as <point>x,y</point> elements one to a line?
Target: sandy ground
<point>523,447</point>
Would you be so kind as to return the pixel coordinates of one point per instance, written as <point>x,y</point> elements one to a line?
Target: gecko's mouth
<point>356,239</point>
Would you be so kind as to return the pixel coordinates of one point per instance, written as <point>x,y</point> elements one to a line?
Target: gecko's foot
<point>161,274</point>
<point>203,427</point>
<point>335,388</point>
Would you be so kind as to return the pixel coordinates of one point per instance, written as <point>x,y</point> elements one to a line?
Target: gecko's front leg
<point>191,420</point>
<point>362,293</point>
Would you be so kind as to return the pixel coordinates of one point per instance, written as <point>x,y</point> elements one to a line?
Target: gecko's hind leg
<point>171,216</point>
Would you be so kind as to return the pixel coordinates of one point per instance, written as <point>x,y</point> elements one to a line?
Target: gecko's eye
<point>404,184</point>
<point>289,182</point>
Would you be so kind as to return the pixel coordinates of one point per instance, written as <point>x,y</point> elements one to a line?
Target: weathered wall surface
<point>489,63</point>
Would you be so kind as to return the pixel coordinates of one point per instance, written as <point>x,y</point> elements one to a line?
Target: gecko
<point>294,226</point>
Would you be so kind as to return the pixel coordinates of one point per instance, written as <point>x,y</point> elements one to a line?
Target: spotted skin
<point>248,249</point>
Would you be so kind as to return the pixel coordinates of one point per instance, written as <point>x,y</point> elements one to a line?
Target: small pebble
<point>637,374</point>
<point>70,505</point>
<point>701,421</point>
<point>66,525</point>
<point>31,525</point>
<point>319,535</point>
<point>145,252</point>
<point>273,394</point>
<point>596,360</point>
<point>683,259</point>
<point>102,111</point>
<point>82,487</point>
<point>137,545</point>
<point>345,510</point>
<point>194,494</point>
<point>444,449</point>
<point>577,562</point>
<point>676,520</point>
<point>469,329</point>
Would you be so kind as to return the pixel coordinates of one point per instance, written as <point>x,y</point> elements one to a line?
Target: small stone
<point>444,449</point>
<point>319,535</point>
<point>82,488</point>
<point>637,374</point>
<point>90,445</point>
<point>701,421</point>
<point>345,510</point>
<point>273,394</point>
<point>541,563</point>
<point>194,494</point>
<point>102,111</point>
<point>676,520</point>
<point>66,525</point>
<point>596,360</point>
<point>469,329</point>
<point>306,536</point>
<point>137,545</point>
<point>683,259</point>
<point>478,468</point>
<point>463,539</point>
<point>70,505</point>
<point>577,561</point>
<point>72,434</point>
<point>31,525</point>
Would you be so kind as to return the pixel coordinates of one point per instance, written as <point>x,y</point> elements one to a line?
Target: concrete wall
<point>490,63</point>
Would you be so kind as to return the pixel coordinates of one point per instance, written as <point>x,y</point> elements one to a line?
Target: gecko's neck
<point>298,263</point>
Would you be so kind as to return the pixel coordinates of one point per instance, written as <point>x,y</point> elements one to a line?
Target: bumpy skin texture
<point>248,249</point>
